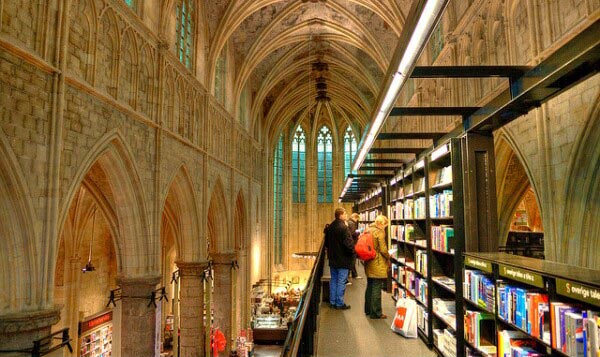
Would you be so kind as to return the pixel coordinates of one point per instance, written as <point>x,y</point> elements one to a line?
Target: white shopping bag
<point>405,318</point>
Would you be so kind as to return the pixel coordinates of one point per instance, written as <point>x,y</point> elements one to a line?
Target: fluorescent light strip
<point>416,43</point>
<point>441,151</point>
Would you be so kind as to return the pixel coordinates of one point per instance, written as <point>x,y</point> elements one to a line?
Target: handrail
<point>301,331</point>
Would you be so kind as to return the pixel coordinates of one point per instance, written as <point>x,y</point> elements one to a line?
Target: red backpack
<point>365,247</point>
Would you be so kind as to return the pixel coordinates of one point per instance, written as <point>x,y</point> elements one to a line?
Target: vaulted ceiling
<point>300,58</point>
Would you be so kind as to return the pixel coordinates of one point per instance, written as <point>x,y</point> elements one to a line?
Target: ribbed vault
<point>289,53</point>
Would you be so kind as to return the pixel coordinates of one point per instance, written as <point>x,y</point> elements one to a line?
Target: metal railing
<point>301,337</point>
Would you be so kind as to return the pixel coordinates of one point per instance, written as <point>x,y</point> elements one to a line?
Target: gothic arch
<point>218,222</point>
<point>513,178</point>
<point>180,209</point>
<point>240,223</point>
<point>17,246</point>
<point>580,237</point>
<point>112,161</point>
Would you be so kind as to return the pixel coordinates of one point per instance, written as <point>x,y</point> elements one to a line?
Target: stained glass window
<point>185,31</point>
<point>299,167</point>
<point>324,165</point>
<point>278,202</point>
<point>349,150</point>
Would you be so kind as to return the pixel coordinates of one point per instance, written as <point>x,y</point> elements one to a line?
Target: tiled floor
<point>350,333</point>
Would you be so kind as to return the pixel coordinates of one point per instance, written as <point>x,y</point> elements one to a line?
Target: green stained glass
<point>324,165</point>
<point>298,166</point>
<point>185,32</point>
<point>278,202</point>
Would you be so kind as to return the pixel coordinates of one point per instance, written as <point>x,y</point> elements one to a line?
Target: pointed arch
<point>180,210</point>
<point>107,52</point>
<point>514,179</point>
<point>217,221</point>
<point>17,246</point>
<point>299,166</point>
<point>350,148</point>
<point>581,233</point>
<point>240,222</point>
<point>112,161</point>
<point>325,149</point>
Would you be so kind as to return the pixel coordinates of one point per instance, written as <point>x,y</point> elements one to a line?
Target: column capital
<point>139,285</point>
<point>223,258</point>
<point>18,330</point>
<point>191,268</point>
<point>28,320</point>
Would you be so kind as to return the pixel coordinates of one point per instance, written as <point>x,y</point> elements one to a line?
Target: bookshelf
<point>538,306</point>
<point>369,207</point>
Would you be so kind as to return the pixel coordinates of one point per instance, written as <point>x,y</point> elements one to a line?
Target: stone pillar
<point>191,307</point>
<point>138,320</point>
<point>19,330</point>
<point>222,296</point>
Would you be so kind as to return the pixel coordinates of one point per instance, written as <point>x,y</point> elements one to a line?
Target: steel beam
<point>396,150</point>
<point>383,161</point>
<point>409,136</point>
<point>469,71</point>
<point>577,60</point>
<point>433,111</point>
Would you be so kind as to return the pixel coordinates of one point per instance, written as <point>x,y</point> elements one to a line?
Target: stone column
<point>19,330</point>
<point>138,320</point>
<point>191,307</point>
<point>222,295</point>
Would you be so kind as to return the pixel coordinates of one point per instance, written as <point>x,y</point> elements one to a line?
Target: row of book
<point>517,344</point>
<point>423,319</point>
<point>445,310</point>
<point>575,331</point>
<point>440,204</point>
<point>368,215</point>
<point>396,210</point>
<point>397,231</point>
<point>479,288</point>
<point>480,330</point>
<point>414,209</point>
<point>441,238</point>
<point>445,341</point>
<point>442,176</point>
<point>421,262</point>
<point>526,309</point>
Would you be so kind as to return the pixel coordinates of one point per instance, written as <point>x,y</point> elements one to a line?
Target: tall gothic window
<point>324,165</point>
<point>299,167</point>
<point>349,150</point>
<point>278,202</point>
<point>185,31</point>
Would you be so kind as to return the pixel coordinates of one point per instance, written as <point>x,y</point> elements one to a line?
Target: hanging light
<point>89,266</point>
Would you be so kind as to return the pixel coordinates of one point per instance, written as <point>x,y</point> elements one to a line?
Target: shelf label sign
<point>92,323</point>
<point>578,291</point>
<point>523,276</point>
<point>479,264</point>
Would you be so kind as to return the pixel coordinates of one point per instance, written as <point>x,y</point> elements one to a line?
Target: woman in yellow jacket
<point>377,269</point>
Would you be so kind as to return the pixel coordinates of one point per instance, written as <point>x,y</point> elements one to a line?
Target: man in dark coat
<point>340,249</point>
<point>353,226</point>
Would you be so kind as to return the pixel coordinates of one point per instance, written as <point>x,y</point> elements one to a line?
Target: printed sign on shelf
<point>521,275</point>
<point>578,291</point>
<point>482,265</point>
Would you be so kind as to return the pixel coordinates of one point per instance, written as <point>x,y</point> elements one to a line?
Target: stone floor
<point>350,333</point>
<point>267,350</point>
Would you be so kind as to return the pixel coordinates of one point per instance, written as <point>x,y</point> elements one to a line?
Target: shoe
<point>348,283</point>
<point>343,307</point>
<point>358,277</point>
<point>331,305</point>
<point>382,317</point>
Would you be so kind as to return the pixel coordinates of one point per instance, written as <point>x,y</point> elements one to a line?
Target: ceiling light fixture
<point>412,42</point>
<point>89,266</point>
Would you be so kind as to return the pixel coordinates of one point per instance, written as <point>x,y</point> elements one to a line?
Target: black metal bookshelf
<point>576,286</point>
